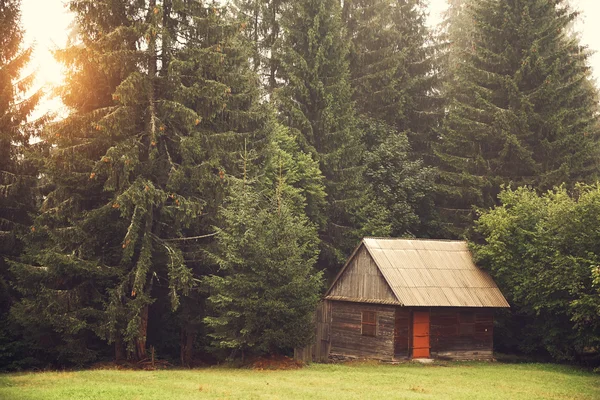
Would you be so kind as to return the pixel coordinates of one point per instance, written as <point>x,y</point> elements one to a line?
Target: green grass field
<point>357,381</point>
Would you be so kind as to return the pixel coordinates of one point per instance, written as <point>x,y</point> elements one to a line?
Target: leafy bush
<point>544,252</point>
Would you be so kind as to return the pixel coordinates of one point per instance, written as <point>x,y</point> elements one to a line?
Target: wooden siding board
<point>346,337</point>
<point>447,340</point>
<point>362,280</point>
<point>393,332</point>
<point>402,333</point>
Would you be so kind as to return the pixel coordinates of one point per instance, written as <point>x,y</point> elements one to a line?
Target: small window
<point>369,323</point>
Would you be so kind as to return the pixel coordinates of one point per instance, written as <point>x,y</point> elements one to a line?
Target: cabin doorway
<point>420,334</point>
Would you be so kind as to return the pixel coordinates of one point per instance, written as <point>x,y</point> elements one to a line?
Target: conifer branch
<point>188,238</point>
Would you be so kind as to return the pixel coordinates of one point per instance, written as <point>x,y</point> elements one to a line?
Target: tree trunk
<point>119,350</point>
<point>140,343</point>
<point>187,337</point>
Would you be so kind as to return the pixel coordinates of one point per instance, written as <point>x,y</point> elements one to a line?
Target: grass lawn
<point>355,381</point>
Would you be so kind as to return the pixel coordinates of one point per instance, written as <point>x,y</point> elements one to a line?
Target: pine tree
<point>401,185</point>
<point>140,164</point>
<point>391,68</point>
<point>264,297</point>
<point>262,26</point>
<point>17,170</point>
<point>315,102</point>
<point>521,108</point>
<point>456,35</point>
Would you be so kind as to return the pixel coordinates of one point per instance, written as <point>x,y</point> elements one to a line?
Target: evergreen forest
<point>220,160</point>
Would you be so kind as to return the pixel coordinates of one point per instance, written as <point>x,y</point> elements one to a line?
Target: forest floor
<point>466,380</point>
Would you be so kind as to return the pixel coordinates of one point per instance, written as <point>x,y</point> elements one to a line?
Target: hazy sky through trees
<point>46,23</point>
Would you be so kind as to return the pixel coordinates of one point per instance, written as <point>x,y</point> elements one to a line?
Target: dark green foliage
<point>521,109</point>
<point>265,294</point>
<point>138,173</point>
<point>401,186</point>
<point>137,163</point>
<point>17,169</point>
<point>330,113</point>
<point>543,252</point>
<point>315,102</point>
<point>262,26</point>
<point>454,39</point>
<point>391,67</point>
<point>392,76</point>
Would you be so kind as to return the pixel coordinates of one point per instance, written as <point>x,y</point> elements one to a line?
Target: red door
<point>421,334</point>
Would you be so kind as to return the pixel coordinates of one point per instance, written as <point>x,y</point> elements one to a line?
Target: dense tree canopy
<point>17,169</point>
<point>543,251</point>
<point>220,159</point>
<point>520,106</point>
<point>135,168</point>
<point>315,102</point>
<point>391,65</point>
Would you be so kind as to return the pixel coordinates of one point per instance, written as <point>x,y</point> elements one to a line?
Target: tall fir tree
<point>454,36</point>
<point>140,164</point>
<point>264,296</point>
<point>521,110</point>
<point>391,66</point>
<point>17,169</point>
<point>263,27</point>
<point>391,69</point>
<point>315,101</point>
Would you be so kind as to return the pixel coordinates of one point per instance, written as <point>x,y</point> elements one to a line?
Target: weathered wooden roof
<point>431,273</point>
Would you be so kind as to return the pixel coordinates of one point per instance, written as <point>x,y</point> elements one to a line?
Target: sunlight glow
<point>46,24</point>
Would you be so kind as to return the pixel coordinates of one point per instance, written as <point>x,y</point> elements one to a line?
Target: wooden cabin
<point>398,299</point>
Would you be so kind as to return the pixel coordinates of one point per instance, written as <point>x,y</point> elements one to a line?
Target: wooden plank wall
<point>346,333</point>
<point>323,333</point>
<point>402,333</point>
<point>319,350</point>
<point>363,280</point>
<point>462,334</point>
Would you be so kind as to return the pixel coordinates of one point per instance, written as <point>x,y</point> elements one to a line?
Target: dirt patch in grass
<point>275,363</point>
<point>146,365</point>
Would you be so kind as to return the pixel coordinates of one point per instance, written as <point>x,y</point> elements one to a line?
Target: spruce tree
<point>17,175</point>
<point>455,36</point>
<point>521,108</point>
<point>265,294</point>
<point>249,140</point>
<point>17,169</point>
<point>315,101</point>
<point>262,26</point>
<point>391,68</point>
<point>140,164</point>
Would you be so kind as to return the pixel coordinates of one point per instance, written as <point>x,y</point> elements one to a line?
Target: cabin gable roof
<point>424,273</point>
<point>362,282</point>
